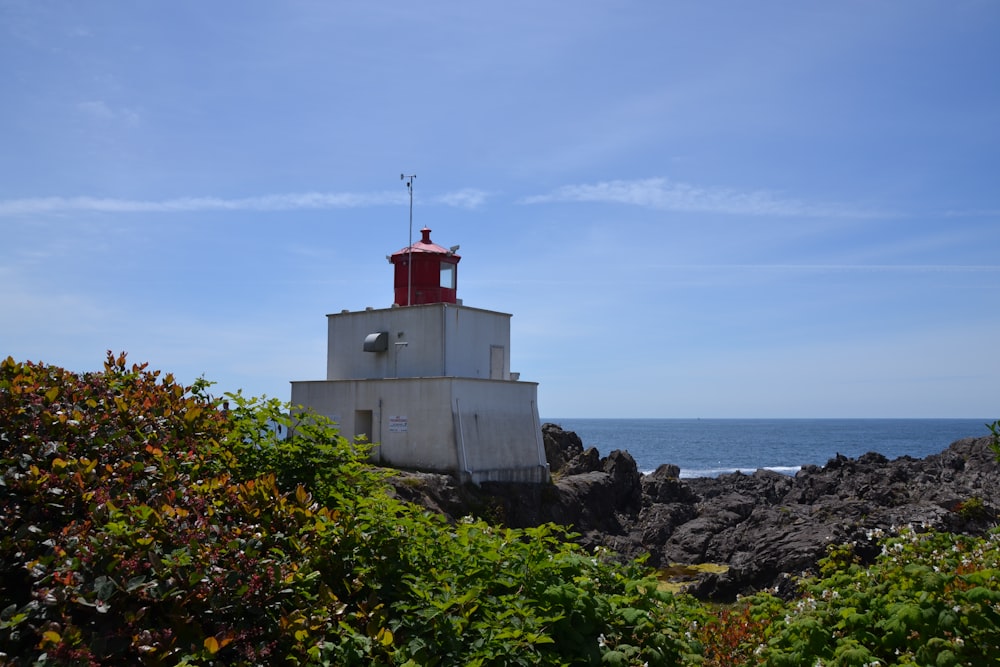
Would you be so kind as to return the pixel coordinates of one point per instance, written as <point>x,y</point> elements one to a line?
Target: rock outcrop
<point>763,526</point>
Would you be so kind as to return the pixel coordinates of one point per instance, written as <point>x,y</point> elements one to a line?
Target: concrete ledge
<point>533,475</point>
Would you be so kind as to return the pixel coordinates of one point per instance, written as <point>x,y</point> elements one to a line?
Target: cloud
<point>828,268</point>
<point>467,198</point>
<point>100,110</point>
<point>664,194</point>
<point>981,213</point>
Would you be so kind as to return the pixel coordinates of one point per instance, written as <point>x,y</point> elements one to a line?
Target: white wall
<point>499,437</point>
<point>432,402</point>
<point>433,340</point>
<point>469,334</point>
<point>479,430</point>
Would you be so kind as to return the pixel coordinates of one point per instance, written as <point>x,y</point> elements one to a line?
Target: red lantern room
<point>425,273</point>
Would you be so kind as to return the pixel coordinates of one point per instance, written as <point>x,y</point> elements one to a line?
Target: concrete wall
<point>479,430</point>
<point>498,431</point>
<point>433,340</point>
<point>469,335</point>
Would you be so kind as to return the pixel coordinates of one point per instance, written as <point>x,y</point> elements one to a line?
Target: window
<point>447,275</point>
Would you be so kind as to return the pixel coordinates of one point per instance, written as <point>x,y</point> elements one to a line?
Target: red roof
<point>424,245</point>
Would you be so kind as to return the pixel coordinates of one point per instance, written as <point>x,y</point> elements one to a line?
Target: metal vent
<point>377,342</point>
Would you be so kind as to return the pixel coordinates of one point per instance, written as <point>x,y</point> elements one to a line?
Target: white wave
<point>715,472</point>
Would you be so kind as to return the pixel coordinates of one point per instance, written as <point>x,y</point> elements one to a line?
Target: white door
<point>497,359</point>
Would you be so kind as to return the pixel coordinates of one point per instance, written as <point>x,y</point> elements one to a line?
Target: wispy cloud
<point>981,213</point>
<point>467,198</point>
<point>845,268</point>
<point>278,202</point>
<point>664,194</point>
<point>100,110</point>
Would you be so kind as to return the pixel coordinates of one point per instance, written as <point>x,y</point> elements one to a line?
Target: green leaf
<point>135,583</point>
<point>104,587</point>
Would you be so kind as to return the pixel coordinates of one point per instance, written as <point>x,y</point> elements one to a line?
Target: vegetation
<point>148,523</point>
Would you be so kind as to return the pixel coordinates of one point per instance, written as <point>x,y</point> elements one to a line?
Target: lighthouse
<point>428,379</point>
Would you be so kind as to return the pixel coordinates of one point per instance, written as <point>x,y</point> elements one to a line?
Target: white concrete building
<point>428,380</point>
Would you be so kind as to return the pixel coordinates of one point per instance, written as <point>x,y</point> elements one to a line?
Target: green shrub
<point>995,438</point>
<point>972,508</point>
<point>929,599</point>
<point>147,523</point>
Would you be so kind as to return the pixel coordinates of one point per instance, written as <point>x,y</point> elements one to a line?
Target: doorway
<point>497,362</point>
<point>363,424</point>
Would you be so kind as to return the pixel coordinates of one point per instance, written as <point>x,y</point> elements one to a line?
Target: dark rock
<point>657,522</point>
<point>561,446</point>
<point>661,487</point>
<point>625,479</point>
<point>667,471</point>
<point>872,459</point>
<point>584,462</point>
<point>438,493</point>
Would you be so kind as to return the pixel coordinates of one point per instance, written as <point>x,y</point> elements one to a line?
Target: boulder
<point>561,446</point>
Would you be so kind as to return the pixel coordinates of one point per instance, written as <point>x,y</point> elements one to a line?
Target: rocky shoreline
<point>763,527</point>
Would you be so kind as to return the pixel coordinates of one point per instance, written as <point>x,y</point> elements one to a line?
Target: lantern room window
<point>447,275</point>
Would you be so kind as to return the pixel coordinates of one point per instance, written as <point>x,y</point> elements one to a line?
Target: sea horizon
<point>707,447</point>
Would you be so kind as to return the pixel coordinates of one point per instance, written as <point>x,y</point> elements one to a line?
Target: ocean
<point>710,447</point>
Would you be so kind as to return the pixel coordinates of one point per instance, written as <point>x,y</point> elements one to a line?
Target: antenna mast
<point>409,248</point>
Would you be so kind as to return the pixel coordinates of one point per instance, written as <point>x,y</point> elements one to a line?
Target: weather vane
<point>409,248</point>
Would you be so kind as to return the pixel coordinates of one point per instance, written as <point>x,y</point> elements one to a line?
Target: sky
<point>715,209</point>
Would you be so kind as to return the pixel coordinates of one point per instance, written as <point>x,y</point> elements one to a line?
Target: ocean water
<point>710,447</point>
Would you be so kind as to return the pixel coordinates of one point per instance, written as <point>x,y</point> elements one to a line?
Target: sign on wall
<point>397,424</point>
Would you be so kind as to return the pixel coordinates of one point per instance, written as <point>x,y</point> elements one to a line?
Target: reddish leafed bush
<point>126,541</point>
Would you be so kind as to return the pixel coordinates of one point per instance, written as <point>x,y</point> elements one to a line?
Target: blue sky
<point>731,209</point>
